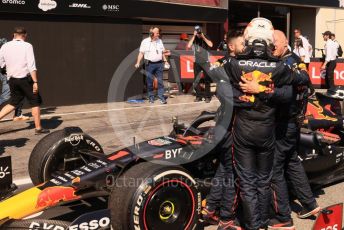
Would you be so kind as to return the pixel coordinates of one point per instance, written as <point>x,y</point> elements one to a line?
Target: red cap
<point>184,36</point>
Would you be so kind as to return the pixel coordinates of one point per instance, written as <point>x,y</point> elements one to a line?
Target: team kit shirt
<point>152,50</point>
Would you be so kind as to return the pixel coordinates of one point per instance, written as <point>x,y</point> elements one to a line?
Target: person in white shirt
<point>330,62</point>
<point>333,38</point>
<point>306,46</point>
<point>152,50</point>
<point>5,93</point>
<point>299,50</point>
<point>18,57</point>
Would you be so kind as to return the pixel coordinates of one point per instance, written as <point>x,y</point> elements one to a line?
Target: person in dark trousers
<point>223,46</point>
<point>152,50</point>
<point>200,44</point>
<point>222,195</point>
<point>254,123</point>
<point>18,57</point>
<point>330,62</point>
<point>287,165</point>
<point>5,93</point>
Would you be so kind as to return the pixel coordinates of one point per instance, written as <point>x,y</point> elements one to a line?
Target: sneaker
<point>305,213</point>
<point>163,101</point>
<point>207,100</point>
<point>41,131</point>
<point>151,101</point>
<point>228,225</point>
<point>198,99</point>
<point>21,118</point>
<point>275,224</point>
<point>209,216</point>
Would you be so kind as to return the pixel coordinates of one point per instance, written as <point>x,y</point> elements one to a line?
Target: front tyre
<point>60,152</point>
<point>150,196</point>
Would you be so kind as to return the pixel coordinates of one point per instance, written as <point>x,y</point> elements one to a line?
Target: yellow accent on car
<point>21,205</point>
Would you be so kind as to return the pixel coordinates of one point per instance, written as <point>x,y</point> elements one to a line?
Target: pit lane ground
<point>115,125</point>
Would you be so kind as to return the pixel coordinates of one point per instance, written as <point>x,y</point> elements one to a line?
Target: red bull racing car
<point>155,184</point>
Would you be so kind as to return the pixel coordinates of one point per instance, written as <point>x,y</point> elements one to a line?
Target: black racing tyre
<point>155,197</point>
<point>59,152</point>
<point>33,224</point>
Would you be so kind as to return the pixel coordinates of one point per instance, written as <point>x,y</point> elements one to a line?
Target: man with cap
<point>183,43</point>
<point>330,62</point>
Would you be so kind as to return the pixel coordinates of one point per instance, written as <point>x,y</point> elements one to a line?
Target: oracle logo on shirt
<point>13,2</point>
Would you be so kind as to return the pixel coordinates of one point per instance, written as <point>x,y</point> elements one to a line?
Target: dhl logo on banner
<point>318,77</point>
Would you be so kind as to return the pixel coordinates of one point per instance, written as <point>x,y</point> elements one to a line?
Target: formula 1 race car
<point>155,184</point>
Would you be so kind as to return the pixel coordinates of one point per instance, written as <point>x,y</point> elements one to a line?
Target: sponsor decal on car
<point>4,171</point>
<point>53,195</point>
<point>172,153</point>
<point>91,143</point>
<point>91,225</point>
<point>159,142</point>
<point>74,139</point>
<point>118,155</point>
<point>46,5</point>
<point>45,226</point>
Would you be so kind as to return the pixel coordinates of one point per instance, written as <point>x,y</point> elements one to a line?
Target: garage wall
<point>77,56</point>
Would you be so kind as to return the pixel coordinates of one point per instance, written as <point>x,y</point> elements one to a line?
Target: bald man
<point>286,161</point>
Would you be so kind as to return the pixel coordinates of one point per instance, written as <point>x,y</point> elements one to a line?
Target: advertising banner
<point>313,3</point>
<point>318,76</point>
<point>185,59</point>
<point>114,8</point>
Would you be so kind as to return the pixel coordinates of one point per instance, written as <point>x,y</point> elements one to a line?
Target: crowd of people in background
<point>200,44</point>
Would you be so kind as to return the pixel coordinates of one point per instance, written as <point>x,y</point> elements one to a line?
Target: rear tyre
<point>150,196</point>
<point>59,152</point>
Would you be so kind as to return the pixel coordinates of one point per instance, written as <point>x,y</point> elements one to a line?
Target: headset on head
<point>151,34</point>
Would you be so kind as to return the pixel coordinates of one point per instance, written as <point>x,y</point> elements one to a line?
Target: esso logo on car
<point>92,225</point>
<point>35,225</point>
<point>334,227</point>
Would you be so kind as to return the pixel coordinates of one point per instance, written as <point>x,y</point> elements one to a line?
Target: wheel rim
<point>169,206</point>
<point>61,163</point>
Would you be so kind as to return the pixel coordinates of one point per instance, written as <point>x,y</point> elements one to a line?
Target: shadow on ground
<point>19,142</point>
<point>51,123</point>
